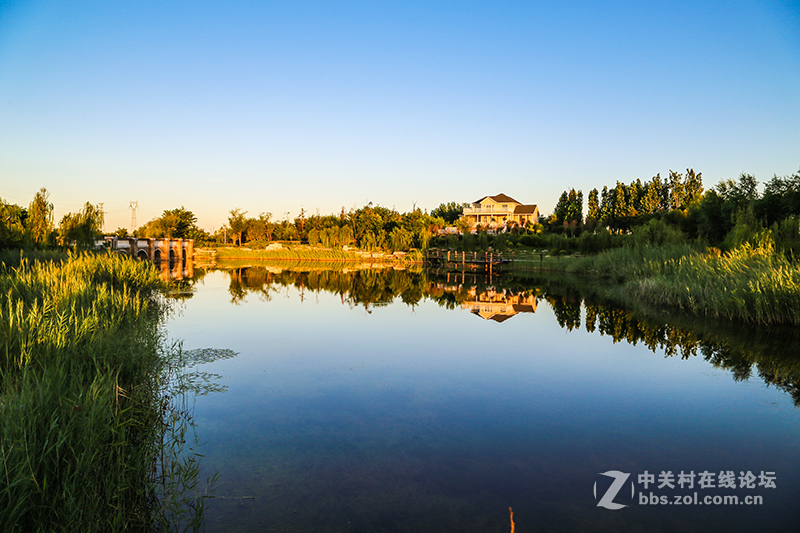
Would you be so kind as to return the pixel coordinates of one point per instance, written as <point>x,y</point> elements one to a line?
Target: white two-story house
<point>494,212</point>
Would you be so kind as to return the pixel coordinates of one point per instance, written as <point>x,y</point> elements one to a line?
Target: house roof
<point>523,209</point>
<point>500,198</point>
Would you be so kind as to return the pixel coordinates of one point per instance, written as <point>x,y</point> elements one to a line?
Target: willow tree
<point>81,228</point>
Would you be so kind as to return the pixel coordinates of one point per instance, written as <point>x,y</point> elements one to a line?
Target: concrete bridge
<point>174,256</point>
<point>152,249</point>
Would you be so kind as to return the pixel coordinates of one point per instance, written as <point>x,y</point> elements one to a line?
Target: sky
<point>322,105</point>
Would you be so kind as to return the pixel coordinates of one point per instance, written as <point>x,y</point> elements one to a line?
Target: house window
<point>505,207</point>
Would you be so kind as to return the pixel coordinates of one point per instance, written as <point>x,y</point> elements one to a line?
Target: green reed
<point>308,253</point>
<point>750,283</point>
<point>295,253</point>
<point>84,416</point>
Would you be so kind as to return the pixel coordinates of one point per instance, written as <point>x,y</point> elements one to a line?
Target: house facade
<point>501,305</point>
<point>494,212</point>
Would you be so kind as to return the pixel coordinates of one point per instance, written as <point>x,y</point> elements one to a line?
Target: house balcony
<point>487,211</point>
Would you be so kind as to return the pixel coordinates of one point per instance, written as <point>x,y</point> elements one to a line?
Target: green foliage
<point>781,199</point>
<point>40,219</point>
<point>287,253</point>
<point>238,225</point>
<point>749,283</point>
<point>568,209</point>
<point>449,212</point>
<point>12,225</point>
<point>261,228</point>
<point>593,207</point>
<point>85,422</point>
<point>81,228</point>
<point>657,232</point>
<point>177,223</point>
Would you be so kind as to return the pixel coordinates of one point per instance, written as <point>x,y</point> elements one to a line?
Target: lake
<point>370,400</point>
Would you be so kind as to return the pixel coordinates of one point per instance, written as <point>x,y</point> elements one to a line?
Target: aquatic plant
<point>750,283</point>
<point>89,436</point>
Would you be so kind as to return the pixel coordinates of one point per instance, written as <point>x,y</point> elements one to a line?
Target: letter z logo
<point>607,500</point>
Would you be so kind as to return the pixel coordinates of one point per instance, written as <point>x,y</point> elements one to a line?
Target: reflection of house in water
<point>499,305</point>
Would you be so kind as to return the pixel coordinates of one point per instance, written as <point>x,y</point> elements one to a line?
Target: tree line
<point>728,214</point>
<point>34,227</point>
<point>371,227</point>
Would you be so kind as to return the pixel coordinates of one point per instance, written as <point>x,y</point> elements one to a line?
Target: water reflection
<point>441,418</point>
<point>196,381</point>
<point>743,350</point>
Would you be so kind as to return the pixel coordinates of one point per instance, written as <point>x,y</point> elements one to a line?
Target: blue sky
<point>274,106</point>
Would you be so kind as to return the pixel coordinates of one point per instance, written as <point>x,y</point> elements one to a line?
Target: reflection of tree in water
<point>733,347</point>
<point>368,288</point>
<point>202,383</point>
<point>744,351</point>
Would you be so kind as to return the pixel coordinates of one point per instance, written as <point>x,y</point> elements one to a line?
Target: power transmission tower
<point>134,206</point>
<point>102,217</point>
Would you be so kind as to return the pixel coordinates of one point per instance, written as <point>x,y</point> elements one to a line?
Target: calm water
<point>392,401</point>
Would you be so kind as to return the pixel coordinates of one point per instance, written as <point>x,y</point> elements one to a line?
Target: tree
<point>575,207</point>
<point>781,198</point>
<point>463,225</point>
<point>620,203</point>
<point>593,207</point>
<point>677,191</point>
<point>12,225</point>
<point>238,224</point>
<point>177,223</point>
<point>693,186</point>
<point>82,227</point>
<point>634,198</point>
<point>261,228</point>
<point>40,218</point>
<point>449,212</point>
<point>651,202</point>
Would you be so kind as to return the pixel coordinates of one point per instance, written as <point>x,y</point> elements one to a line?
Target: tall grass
<point>289,254</point>
<point>10,258</point>
<point>308,253</point>
<point>83,413</point>
<point>749,283</point>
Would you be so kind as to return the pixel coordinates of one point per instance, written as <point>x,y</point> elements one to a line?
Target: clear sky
<point>274,106</point>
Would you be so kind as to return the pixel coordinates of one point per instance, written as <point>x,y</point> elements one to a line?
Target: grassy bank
<point>748,283</point>
<point>287,253</point>
<point>308,253</point>
<point>82,406</point>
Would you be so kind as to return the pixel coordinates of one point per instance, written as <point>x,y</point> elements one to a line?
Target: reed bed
<point>87,435</point>
<point>753,284</point>
<point>305,253</point>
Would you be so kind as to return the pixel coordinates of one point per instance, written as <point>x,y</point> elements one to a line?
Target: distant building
<point>499,305</point>
<point>494,212</point>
